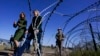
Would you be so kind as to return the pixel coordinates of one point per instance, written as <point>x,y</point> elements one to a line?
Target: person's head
<point>59,30</point>
<point>22,15</point>
<point>11,35</point>
<point>36,13</point>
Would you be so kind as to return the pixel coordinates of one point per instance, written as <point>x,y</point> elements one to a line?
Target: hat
<point>59,29</point>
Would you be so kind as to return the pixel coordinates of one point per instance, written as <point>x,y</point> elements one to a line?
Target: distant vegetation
<point>85,53</point>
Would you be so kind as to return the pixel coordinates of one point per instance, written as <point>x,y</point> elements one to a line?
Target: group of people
<point>34,31</point>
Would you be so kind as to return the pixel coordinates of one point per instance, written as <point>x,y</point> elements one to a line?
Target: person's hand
<point>36,31</point>
<point>19,24</point>
<point>23,39</point>
<point>26,32</point>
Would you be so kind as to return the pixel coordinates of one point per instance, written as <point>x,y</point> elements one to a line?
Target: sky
<point>10,10</point>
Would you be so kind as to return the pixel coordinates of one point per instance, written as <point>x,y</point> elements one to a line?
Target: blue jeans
<point>21,49</point>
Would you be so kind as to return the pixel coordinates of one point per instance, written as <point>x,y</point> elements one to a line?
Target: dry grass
<point>2,47</point>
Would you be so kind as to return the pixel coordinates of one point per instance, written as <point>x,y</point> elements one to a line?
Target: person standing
<point>59,38</point>
<point>21,28</point>
<point>12,42</point>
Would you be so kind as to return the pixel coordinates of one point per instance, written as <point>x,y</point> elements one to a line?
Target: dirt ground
<point>46,52</point>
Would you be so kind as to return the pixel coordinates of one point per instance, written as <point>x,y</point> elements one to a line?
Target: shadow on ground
<point>3,53</point>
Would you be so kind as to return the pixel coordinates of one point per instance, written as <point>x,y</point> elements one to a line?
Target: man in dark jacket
<point>12,42</point>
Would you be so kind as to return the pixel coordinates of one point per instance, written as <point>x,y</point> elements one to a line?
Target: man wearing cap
<point>59,38</point>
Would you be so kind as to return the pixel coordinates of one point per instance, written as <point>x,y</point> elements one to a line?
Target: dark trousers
<point>12,45</point>
<point>59,44</point>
